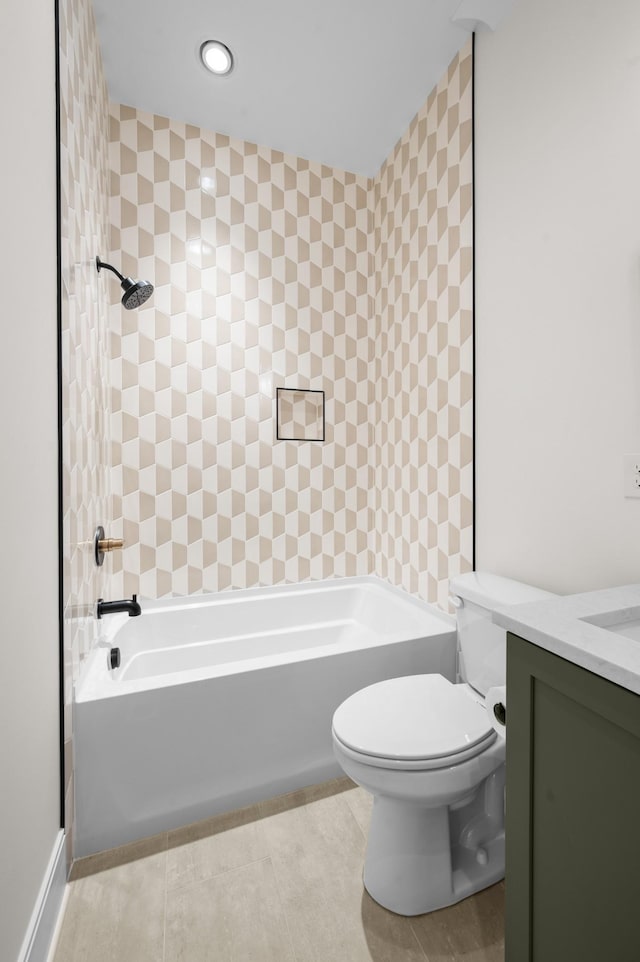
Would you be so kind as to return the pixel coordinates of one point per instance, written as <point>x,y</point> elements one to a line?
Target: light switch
<point>631,464</point>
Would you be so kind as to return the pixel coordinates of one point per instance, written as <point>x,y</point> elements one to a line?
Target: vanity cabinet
<point>572,812</point>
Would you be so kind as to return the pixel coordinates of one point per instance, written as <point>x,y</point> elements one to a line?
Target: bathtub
<point>224,700</point>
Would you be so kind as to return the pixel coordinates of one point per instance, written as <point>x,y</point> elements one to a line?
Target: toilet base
<point>411,867</point>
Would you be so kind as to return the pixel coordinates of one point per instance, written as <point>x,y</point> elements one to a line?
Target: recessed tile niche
<point>300,415</point>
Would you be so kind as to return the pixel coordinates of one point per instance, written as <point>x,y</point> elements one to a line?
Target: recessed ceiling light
<point>216,57</point>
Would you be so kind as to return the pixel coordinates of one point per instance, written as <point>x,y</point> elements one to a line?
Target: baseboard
<point>44,917</point>
<point>53,944</point>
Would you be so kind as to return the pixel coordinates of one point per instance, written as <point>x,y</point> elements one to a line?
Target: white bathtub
<point>223,700</point>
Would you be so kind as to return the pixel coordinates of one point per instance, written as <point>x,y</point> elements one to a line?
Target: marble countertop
<point>558,625</point>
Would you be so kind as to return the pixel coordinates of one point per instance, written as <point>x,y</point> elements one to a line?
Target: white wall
<point>558,292</point>
<point>29,752</point>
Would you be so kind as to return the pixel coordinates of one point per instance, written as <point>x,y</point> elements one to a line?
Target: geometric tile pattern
<point>84,185</point>
<point>261,265</point>
<point>422,250</point>
<point>272,271</point>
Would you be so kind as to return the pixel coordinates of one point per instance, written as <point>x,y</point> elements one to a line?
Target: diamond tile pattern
<point>272,271</point>
<point>423,290</point>
<point>84,185</point>
<point>261,263</point>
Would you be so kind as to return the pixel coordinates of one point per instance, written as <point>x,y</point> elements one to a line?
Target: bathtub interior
<point>218,634</point>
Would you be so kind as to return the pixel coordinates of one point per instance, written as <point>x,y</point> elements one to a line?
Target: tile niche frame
<point>298,397</point>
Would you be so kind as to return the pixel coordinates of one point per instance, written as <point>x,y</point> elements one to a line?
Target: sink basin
<point>625,621</point>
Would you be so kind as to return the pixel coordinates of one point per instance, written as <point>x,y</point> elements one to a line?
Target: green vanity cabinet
<point>573,812</point>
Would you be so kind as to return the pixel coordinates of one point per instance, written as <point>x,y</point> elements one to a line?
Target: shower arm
<point>135,294</point>
<point>100,264</point>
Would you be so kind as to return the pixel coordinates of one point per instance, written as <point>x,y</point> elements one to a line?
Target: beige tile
<point>317,851</point>
<point>304,796</point>
<point>226,899</point>
<point>308,842</point>
<point>122,855</point>
<point>215,845</point>
<point>389,937</point>
<point>232,918</point>
<point>472,930</point>
<point>361,805</point>
<point>404,382</point>
<point>116,914</point>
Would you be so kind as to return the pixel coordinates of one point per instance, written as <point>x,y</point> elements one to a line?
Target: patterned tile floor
<point>277,882</point>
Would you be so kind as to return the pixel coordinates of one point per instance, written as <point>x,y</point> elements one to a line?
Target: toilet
<point>428,752</point>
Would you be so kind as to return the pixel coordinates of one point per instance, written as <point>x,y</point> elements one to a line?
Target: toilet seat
<point>418,722</point>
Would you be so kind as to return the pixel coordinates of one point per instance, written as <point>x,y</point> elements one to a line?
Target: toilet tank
<point>482,646</point>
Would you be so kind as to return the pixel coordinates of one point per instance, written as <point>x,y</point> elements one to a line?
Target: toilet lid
<point>411,718</point>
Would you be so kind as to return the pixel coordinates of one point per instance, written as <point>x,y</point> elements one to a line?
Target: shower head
<point>135,292</point>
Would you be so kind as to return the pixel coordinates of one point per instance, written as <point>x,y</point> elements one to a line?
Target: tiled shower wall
<point>262,267</point>
<point>271,271</point>
<point>84,185</point>
<point>423,288</point>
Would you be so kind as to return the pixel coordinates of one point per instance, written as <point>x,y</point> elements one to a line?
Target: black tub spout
<point>130,605</point>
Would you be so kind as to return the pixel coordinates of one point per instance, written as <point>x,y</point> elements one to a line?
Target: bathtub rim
<point>96,683</point>
<point>236,595</point>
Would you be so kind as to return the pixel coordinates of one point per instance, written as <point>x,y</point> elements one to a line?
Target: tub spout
<point>129,605</point>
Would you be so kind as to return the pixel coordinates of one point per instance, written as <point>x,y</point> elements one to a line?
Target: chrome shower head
<point>135,292</point>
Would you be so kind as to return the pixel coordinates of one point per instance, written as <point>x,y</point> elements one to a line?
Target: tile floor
<point>277,882</point>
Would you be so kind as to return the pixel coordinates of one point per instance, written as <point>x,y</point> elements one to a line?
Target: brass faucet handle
<point>101,545</point>
<point>110,544</point>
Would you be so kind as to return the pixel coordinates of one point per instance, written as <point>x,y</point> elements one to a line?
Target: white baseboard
<point>44,918</point>
<point>53,944</point>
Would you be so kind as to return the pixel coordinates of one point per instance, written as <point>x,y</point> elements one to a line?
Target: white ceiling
<point>336,82</point>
